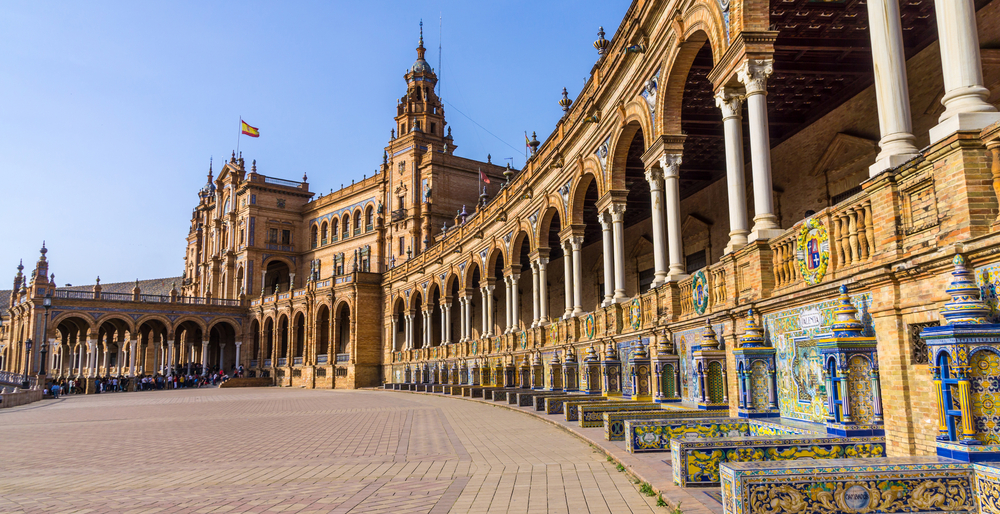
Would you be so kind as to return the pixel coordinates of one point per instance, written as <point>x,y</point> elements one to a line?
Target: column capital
<point>730,101</point>
<point>754,73</point>
<point>654,176</point>
<point>670,164</point>
<point>617,211</point>
<point>576,242</point>
<point>604,218</point>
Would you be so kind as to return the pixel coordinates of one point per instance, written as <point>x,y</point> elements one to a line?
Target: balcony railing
<point>322,358</point>
<point>343,357</point>
<point>398,215</point>
<point>143,298</point>
<point>267,363</point>
<point>296,361</point>
<point>282,361</point>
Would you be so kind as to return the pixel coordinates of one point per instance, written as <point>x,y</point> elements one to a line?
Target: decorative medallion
<point>523,338</point>
<point>553,333</point>
<point>590,325</point>
<point>475,348</point>
<point>635,314</point>
<point>699,292</point>
<point>813,251</point>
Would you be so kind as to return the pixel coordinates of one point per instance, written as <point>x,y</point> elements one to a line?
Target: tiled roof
<point>159,286</point>
<point>4,301</point>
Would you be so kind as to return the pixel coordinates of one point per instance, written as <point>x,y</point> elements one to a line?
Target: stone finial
<point>565,101</point>
<point>754,335</point>
<point>966,306</point>
<point>664,346</point>
<point>253,166</point>
<point>601,44</point>
<point>136,288</point>
<point>555,358</point>
<point>847,323</point>
<point>570,356</point>
<point>43,251</point>
<point>524,363</point>
<point>591,355</point>
<point>20,266</point>
<point>640,351</point>
<point>610,351</point>
<point>305,177</point>
<point>536,359</point>
<point>709,340</point>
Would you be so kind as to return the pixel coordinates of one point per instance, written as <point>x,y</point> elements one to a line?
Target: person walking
<point>55,390</point>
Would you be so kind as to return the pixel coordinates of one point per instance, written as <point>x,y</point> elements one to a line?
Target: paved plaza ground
<point>288,450</point>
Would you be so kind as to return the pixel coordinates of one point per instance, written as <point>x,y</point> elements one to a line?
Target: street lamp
<point>27,357</point>
<point>47,303</point>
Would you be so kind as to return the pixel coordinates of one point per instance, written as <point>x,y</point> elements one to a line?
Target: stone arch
<point>342,315</point>
<point>579,195</point>
<point>491,258</point>
<point>449,282</point>
<point>314,235</point>
<point>91,323</point>
<point>197,321</point>
<point>520,238</point>
<point>154,317</point>
<point>473,266</point>
<point>230,321</point>
<point>672,86</point>
<point>128,323</point>
<point>619,152</point>
<point>345,225</point>
<point>358,227</point>
<point>415,296</point>
<point>548,213</point>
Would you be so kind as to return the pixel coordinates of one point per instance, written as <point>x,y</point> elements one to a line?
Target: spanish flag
<point>248,130</point>
<point>527,142</point>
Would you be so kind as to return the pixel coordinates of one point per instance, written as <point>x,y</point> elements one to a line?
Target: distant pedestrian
<point>55,391</point>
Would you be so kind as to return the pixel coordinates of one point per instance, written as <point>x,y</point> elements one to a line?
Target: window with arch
<point>357,222</point>
<point>323,235</point>
<point>333,229</point>
<point>346,227</point>
<point>369,219</point>
<point>314,236</point>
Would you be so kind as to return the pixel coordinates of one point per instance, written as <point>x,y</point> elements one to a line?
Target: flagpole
<point>240,133</point>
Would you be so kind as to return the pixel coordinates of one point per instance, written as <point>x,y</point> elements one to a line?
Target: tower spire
<point>420,44</point>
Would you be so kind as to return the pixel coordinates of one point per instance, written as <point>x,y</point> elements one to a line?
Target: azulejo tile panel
<point>888,485</point>
<point>698,460</point>
<point>859,387</point>
<point>655,435</point>
<point>687,341</point>
<point>758,386</point>
<point>985,395</point>
<point>988,280</point>
<point>794,334</point>
<point>988,486</point>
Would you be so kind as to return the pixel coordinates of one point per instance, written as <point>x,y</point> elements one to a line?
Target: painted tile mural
<point>988,280</point>
<point>795,334</point>
<point>687,341</point>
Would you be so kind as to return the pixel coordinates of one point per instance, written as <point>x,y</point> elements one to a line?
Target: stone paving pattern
<point>282,450</point>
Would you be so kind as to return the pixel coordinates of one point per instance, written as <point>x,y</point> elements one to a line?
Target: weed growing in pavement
<point>647,489</point>
<point>621,468</point>
<point>660,502</point>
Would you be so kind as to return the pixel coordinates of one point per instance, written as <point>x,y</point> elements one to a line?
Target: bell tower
<point>420,112</point>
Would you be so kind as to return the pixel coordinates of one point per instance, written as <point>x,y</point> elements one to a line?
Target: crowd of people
<point>183,376</point>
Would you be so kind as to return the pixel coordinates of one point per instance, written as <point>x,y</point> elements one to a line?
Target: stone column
<point>407,334</point>
<point>891,91</point>
<point>576,242</point>
<point>609,261</point>
<point>965,97</point>
<point>508,301</point>
<point>222,348</point>
<point>730,102</point>
<point>204,357</point>
<point>568,277</point>
<point>617,211</point>
<point>446,323</point>
<point>238,344</point>
<point>515,317</point>
<point>462,331</point>
<point>428,330</point>
<point>489,309</point>
<point>534,294</point>
<point>484,293</point>
<point>670,164</point>
<point>543,291</point>
<point>754,76</point>
<point>393,327</point>
<point>131,357</point>
<point>654,176</point>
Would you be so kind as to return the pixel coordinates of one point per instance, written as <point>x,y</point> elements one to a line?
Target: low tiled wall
<point>898,484</point>
<point>572,409</point>
<point>21,397</point>
<point>592,415</point>
<point>696,461</point>
<point>555,404</point>
<point>988,486</point>
<point>655,435</point>
<point>614,422</point>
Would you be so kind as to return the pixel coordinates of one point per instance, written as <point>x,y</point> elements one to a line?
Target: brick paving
<point>289,450</point>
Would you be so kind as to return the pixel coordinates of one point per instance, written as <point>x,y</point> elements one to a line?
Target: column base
<point>889,162</point>
<point>677,277</point>
<point>963,121</point>
<point>764,234</point>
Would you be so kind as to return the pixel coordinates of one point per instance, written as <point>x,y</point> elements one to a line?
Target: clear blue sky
<point>109,111</point>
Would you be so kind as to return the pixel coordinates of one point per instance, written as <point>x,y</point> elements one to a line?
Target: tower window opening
<point>433,128</point>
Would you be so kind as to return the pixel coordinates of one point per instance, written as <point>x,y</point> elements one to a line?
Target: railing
<point>119,297</point>
<point>16,379</point>
<point>154,298</point>
<point>281,181</point>
<point>343,357</point>
<point>73,295</point>
<point>322,358</point>
<point>253,363</point>
<point>267,363</point>
<point>686,285</point>
<point>786,269</point>
<point>296,361</point>
<point>717,280</point>
<point>279,247</point>
<point>282,361</point>
<point>398,215</point>
<point>853,240</point>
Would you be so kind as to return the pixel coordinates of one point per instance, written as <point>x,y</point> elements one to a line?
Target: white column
<point>222,347</point>
<point>609,261</point>
<point>730,103</point>
<point>92,361</point>
<point>489,310</point>
<point>393,327</point>
<point>428,329</point>
<point>964,97</point>
<point>131,357</point>
<point>653,176</point>
<point>486,308</point>
<point>408,332</point>
<point>670,164</point>
<point>204,357</point>
<point>891,91</point>
<point>238,344</point>
<point>461,319</point>
<point>576,242</point>
<point>105,363</point>
<point>514,325</point>
<point>543,291</point>
<point>617,211</point>
<point>534,294</point>
<point>508,300</point>
<point>568,277</point>
<point>467,317</point>
<point>754,76</point>
<point>446,323</point>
